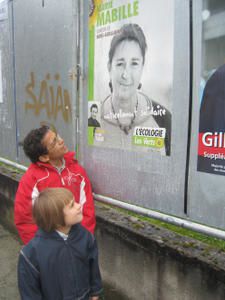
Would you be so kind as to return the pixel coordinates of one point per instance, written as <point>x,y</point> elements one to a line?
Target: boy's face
<point>55,146</point>
<point>72,213</point>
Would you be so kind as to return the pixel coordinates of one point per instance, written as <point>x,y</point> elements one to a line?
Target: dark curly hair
<point>32,144</point>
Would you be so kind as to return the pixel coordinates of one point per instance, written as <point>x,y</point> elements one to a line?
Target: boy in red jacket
<point>52,166</point>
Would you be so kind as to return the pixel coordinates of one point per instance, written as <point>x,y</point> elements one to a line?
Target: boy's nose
<point>61,141</point>
<point>78,205</point>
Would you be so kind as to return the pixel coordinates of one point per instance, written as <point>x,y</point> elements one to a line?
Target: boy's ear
<point>44,158</point>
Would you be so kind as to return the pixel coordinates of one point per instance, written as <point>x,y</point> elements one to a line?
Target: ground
<point>9,250</point>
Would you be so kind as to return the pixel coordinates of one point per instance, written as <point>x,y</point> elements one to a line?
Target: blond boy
<point>61,261</point>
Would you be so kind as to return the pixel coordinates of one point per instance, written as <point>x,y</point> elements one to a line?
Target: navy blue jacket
<point>53,269</point>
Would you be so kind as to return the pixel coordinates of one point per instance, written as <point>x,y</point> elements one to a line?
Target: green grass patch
<point>211,241</point>
<point>11,168</point>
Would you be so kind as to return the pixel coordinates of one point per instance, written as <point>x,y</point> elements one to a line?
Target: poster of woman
<point>131,73</point>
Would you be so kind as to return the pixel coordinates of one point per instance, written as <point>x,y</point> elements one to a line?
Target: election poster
<point>211,137</point>
<point>130,80</point>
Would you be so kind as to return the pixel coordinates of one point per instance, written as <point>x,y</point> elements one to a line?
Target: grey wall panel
<point>151,181</point>
<point>206,191</point>
<point>45,53</point>
<point>7,106</point>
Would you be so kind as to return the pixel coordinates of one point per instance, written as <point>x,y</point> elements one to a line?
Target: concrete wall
<point>142,261</point>
<point>155,264</point>
<point>8,187</point>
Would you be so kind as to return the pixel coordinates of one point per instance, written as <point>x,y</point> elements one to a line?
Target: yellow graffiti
<point>94,15</point>
<point>53,100</point>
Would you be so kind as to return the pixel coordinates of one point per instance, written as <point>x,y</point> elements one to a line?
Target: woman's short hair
<point>48,208</point>
<point>129,32</point>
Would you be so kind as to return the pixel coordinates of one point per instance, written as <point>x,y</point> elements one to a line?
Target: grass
<point>11,168</point>
<point>211,241</point>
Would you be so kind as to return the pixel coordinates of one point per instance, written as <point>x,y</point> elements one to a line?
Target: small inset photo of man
<point>93,119</point>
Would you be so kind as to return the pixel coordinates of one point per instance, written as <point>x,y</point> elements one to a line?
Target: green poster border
<point>90,135</point>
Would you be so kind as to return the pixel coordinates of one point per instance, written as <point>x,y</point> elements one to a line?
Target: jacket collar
<point>54,235</point>
<point>68,157</point>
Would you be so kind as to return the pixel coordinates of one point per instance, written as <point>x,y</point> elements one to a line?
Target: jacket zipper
<point>62,180</point>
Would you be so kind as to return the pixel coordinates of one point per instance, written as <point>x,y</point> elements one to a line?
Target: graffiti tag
<point>52,100</point>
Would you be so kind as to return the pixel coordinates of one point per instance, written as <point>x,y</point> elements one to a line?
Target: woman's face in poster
<point>126,69</point>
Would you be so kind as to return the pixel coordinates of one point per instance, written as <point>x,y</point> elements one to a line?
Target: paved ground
<point>9,249</point>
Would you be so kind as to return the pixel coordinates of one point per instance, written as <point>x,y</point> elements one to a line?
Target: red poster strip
<point>206,144</point>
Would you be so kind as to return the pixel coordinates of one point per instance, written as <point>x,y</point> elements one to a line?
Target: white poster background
<point>156,18</point>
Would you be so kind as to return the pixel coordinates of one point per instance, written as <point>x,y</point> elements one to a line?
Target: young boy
<point>52,166</point>
<point>61,261</point>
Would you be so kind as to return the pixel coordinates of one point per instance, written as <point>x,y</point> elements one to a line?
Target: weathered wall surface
<point>38,54</point>
<point>142,261</point>
<point>8,186</point>
<point>146,262</point>
<point>9,251</point>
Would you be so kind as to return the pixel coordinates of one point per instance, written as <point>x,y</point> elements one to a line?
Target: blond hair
<point>48,208</point>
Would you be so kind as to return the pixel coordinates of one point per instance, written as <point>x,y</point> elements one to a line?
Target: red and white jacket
<point>42,175</point>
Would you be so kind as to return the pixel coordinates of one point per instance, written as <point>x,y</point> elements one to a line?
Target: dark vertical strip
<point>91,62</point>
<point>78,79</point>
<point>14,81</point>
<point>78,44</point>
<point>190,110</point>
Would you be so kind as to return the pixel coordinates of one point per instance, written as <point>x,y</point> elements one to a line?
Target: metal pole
<point>13,164</point>
<point>14,80</point>
<point>214,232</point>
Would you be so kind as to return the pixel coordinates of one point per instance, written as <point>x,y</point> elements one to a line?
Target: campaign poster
<point>131,46</point>
<point>211,139</point>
